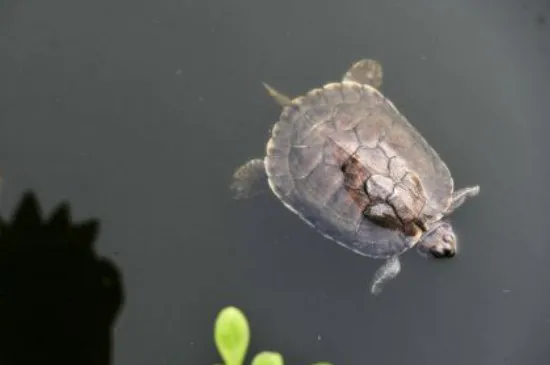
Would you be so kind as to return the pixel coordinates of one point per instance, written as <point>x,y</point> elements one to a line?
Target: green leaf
<point>232,335</point>
<point>268,358</point>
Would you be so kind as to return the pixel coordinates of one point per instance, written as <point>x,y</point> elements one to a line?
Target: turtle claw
<point>386,272</point>
<point>246,178</point>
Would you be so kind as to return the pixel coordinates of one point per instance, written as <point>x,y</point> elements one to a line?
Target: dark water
<point>137,112</point>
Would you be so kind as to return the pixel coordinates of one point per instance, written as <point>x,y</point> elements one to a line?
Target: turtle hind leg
<point>460,196</point>
<point>365,71</point>
<point>247,179</point>
<point>386,272</point>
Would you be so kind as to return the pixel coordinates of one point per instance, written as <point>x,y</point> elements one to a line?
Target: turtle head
<point>439,241</point>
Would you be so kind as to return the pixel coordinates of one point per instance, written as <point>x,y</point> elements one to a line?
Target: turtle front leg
<point>386,272</point>
<point>460,196</point>
<point>247,178</point>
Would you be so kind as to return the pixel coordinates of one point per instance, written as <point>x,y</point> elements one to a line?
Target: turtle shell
<point>332,145</point>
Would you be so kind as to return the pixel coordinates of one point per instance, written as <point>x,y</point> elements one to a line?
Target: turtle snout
<point>443,253</point>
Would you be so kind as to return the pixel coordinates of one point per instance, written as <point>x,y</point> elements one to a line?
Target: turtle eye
<point>447,238</point>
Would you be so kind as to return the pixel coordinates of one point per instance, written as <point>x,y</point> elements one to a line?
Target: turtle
<point>346,161</point>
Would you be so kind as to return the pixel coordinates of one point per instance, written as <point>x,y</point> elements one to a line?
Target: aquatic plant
<point>232,337</point>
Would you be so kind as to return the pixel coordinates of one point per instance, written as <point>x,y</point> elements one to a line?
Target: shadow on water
<point>58,299</point>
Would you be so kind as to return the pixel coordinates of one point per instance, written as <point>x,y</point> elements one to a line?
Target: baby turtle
<point>347,162</point>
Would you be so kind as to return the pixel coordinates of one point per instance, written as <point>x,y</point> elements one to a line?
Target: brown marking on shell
<point>384,215</point>
<point>413,229</point>
<point>359,197</point>
<point>399,205</point>
<point>347,207</point>
<point>405,201</point>
<point>406,204</point>
<point>354,172</point>
<point>412,182</point>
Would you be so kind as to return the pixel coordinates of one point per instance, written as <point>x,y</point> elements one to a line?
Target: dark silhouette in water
<point>58,299</point>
